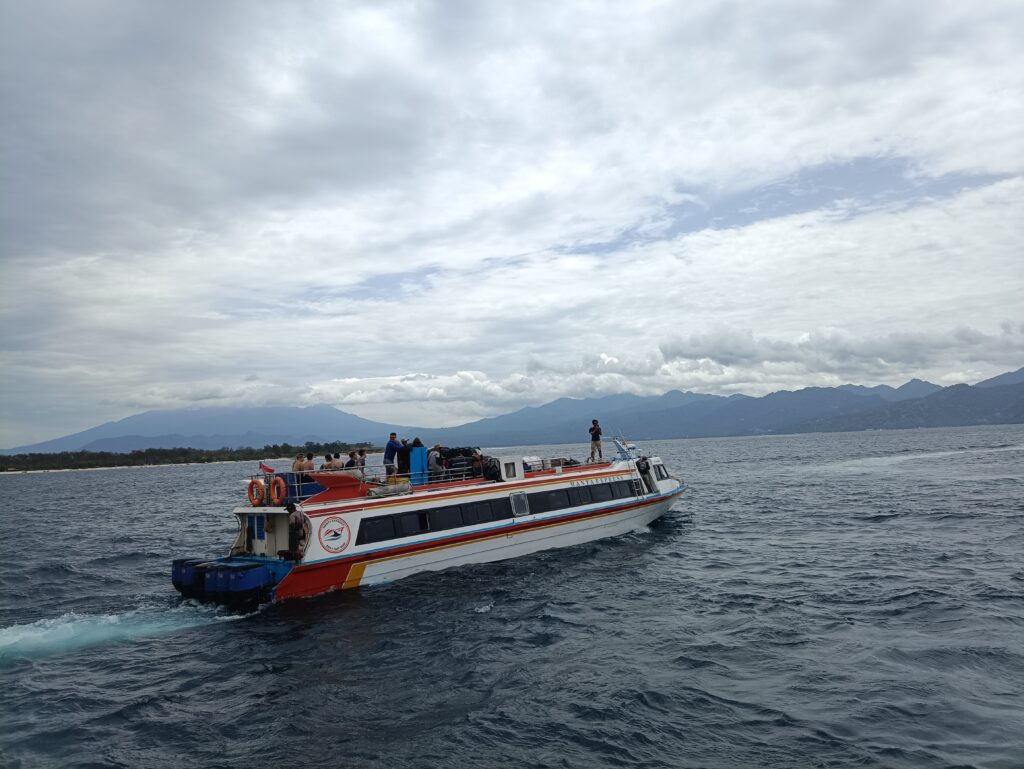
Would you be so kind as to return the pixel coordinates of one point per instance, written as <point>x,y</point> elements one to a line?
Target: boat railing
<point>300,485</point>
<point>295,486</point>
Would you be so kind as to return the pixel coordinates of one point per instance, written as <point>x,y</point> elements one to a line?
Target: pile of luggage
<point>459,461</point>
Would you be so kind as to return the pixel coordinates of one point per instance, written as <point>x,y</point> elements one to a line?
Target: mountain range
<point>675,414</point>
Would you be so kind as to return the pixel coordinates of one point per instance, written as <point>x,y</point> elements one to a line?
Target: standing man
<point>404,451</point>
<point>595,442</point>
<point>390,450</point>
<point>434,463</point>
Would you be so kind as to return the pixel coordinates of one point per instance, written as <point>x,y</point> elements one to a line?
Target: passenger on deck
<point>362,458</point>
<point>403,456</point>
<point>434,464</point>
<point>307,463</point>
<point>337,462</point>
<point>595,442</point>
<point>390,450</point>
<point>296,531</point>
<point>297,463</point>
<point>328,463</point>
<point>352,467</point>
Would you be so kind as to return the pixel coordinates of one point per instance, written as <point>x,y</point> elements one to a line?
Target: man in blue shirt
<point>390,450</point>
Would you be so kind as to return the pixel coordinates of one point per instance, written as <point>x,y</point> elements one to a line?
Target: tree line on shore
<point>80,460</point>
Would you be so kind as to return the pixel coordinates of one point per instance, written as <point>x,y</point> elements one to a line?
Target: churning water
<point>812,601</point>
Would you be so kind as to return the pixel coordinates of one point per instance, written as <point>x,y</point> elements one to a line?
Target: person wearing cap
<point>595,442</point>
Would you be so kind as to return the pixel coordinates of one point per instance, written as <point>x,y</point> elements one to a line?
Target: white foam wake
<point>71,631</point>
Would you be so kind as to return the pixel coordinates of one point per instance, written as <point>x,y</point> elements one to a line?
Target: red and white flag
<point>265,469</point>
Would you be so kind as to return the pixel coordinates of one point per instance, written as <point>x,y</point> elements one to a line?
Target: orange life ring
<point>278,491</point>
<point>257,492</point>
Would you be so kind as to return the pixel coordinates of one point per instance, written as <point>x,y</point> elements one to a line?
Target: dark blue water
<point>812,601</point>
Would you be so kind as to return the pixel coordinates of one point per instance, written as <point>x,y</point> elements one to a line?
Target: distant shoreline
<point>123,467</point>
<point>66,461</point>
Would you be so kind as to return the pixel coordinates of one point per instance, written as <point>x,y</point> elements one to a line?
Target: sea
<point>824,600</point>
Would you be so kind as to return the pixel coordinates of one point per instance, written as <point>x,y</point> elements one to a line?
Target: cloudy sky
<point>430,212</point>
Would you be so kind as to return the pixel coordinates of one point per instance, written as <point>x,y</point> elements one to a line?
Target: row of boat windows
<point>384,527</point>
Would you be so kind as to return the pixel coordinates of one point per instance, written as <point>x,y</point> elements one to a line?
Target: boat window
<point>520,505</point>
<point>558,499</point>
<point>660,472</point>
<point>376,529</point>
<point>601,493</point>
<point>510,469</point>
<point>501,509</point>
<point>476,512</point>
<point>623,489</point>
<point>538,502</point>
<point>411,523</point>
<point>446,518</point>
<point>579,495</point>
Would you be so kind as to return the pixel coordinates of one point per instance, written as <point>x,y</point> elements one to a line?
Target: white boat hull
<point>515,544</point>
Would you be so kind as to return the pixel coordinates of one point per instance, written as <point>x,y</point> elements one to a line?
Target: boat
<point>303,534</point>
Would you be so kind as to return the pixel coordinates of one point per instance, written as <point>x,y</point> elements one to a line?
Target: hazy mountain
<point>672,415</point>
<point>915,388</point>
<point>774,413</point>
<point>566,420</point>
<point>1011,377</point>
<point>233,427</point>
<point>950,407</point>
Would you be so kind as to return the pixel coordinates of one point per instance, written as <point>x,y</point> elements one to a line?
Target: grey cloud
<point>151,120</point>
<point>798,44</point>
<point>848,355</point>
<point>109,100</point>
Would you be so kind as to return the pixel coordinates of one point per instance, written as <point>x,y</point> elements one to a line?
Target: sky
<point>431,212</point>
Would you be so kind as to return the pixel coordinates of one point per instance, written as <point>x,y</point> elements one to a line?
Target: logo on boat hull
<point>335,535</point>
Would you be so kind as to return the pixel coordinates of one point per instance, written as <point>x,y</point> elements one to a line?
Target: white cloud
<point>301,203</point>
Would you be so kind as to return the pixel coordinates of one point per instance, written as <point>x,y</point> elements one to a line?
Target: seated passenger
<point>297,463</point>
